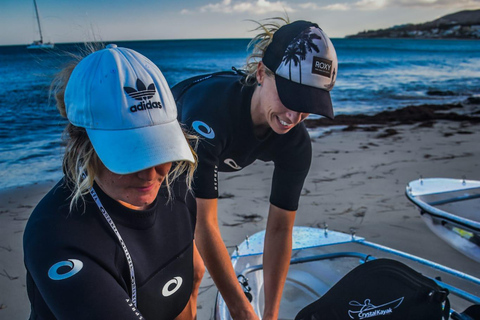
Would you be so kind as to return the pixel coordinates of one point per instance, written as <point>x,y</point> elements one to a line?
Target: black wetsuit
<point>81,247</point>
<point>217,108</point>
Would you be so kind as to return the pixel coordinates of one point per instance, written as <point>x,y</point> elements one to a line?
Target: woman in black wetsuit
<point>114,238</point>
<point>255,114</point>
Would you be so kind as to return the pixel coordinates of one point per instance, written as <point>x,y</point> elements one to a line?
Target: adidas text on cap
<point>125,104</point>
<point>305,65</point>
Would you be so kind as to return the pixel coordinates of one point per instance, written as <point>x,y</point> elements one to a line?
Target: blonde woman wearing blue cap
<point>255,114</point>
<point>114,238</point>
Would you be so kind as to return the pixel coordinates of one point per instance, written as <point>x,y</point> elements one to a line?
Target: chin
<point>281,130</point>
<point>144,201</point>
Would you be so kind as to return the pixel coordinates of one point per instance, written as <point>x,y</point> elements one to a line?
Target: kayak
<point>321,258</point>
<point>451,209</point>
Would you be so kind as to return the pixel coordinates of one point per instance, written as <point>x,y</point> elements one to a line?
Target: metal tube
<point>359,255</point>
<point>426,262</point>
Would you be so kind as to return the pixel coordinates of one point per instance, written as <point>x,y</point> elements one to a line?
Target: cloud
<point>258,7</point>
<point>471,4</point>
<point>255,7</point>
<point>331,7</point>
<point>337,7</point>
<point>370,4</point>
<point>358,5</point>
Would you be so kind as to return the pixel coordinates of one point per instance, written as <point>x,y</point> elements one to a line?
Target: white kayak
<point>451,209</point>
<point>320,258</point>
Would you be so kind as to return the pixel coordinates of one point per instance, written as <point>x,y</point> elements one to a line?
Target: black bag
<point>471,313</point>
<point>381,289</point>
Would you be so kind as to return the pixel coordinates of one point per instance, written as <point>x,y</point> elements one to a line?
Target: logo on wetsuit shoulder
<point>65,269</point>
<point>232,164</point>
<point>172,286</point>
<point>144,95</point>
<point>322,67</point>
<point>203,129</point>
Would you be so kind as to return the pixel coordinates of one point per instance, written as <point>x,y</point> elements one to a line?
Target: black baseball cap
<point>305,65</point>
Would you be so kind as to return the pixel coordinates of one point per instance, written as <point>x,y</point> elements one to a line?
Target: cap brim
<point>304,98</point>
<point>129,151</point>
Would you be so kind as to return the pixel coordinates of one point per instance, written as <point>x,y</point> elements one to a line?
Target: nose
<point>294,116</point>
<point>154,172</point>
<point>163,169</point>
<point>147,174</point>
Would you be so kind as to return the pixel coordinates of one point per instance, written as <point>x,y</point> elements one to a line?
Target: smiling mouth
<point>284,123</point>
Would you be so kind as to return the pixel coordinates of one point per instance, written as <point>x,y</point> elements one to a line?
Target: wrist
<point>270,316</point>
<point>243,311</point>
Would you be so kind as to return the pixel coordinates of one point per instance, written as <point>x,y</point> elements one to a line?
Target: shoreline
<point>423,115</point>
<point>468,110</point>
<point>357,181</point>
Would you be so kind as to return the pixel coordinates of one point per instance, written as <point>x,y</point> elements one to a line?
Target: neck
<point>131,206</point>
<point>260,125</point>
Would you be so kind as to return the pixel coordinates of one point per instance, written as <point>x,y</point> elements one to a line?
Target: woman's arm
<point>89,293</point>
<point>217,260</point>
<point>276,257</point>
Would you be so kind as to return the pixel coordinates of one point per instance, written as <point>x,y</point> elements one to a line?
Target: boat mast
<point>38,21</point>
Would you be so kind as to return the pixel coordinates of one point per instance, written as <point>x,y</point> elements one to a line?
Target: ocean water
<point>374,75</point>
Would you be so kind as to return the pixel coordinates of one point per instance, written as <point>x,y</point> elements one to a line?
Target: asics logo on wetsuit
<point>58,270</point>
<point>172,286</point>
<point>144,95</point>
<point>203,129</point>
<point>232,164</point>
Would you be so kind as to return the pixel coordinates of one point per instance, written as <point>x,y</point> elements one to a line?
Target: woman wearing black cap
<point>258,114</point>
<point>114,238</point>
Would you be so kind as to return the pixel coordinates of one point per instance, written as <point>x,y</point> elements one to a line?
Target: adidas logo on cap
<point>143,94</point>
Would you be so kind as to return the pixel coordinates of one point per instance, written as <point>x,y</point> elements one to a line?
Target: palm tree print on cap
<point>332,83</point>
<point>297,50</point>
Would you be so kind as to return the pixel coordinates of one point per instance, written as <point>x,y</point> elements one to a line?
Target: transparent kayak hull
<point>451,209</point>
<point>321,258</point>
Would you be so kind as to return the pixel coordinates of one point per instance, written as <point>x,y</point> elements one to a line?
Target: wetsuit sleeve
<point>205,182</point>
<point>201,117</point>
<point>291,169</point>
<point>72,283</point>
<point>184,195</point>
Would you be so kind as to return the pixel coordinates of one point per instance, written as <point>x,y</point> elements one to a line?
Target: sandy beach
<point>357,180</point>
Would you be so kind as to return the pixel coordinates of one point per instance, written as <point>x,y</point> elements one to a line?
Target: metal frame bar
<point>365,257</point>
<point>458,292</point>
<point>455,199</point>
<point>426,262</point>
<point>438,213</point>
<point>359,255</point>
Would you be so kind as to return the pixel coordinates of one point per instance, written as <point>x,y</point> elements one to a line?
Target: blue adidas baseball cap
<point>125,104</point>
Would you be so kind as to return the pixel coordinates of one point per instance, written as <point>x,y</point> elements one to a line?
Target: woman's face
<point>136,190</point>
<point>270,110</point>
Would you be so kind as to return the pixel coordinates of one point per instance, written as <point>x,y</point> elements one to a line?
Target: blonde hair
<point>80,157</point>
<point>260,43</point>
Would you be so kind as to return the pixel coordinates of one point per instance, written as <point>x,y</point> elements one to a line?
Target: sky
<point>109,20</point>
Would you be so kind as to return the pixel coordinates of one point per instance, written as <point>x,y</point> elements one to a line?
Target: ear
<point>261,72</point>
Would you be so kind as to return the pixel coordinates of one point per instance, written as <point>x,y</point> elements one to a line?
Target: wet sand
<point>357,181</point>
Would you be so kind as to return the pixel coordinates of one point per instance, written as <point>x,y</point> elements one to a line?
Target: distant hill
<point>459,25</point>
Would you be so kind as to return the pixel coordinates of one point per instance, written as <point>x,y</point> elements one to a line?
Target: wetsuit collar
<point>136,219</point>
